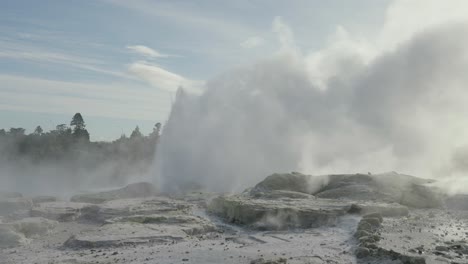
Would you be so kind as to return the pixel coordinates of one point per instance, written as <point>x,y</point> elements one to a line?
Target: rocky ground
<point>287,218</point>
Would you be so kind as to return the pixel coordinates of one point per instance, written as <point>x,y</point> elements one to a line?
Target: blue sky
<point>119,62</point>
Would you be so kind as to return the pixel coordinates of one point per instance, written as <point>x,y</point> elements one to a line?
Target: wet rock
<point>373,222</point>
<point>361,233</point>
<point>59,211</point>
<point>362,252</point>
<point>441,248</point>
<point>135,190</point>
<point>263,261</point>
<point>9,238</point>
<point>366,227</point>
<point>373,216</point>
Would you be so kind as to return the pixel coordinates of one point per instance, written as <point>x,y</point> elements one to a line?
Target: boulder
<point>135,190</point>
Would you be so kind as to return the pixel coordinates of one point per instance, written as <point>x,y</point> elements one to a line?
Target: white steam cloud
<point>361,104</point>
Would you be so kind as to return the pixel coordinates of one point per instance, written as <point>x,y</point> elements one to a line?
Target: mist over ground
<point>395,102</point>
<point>64,161</point>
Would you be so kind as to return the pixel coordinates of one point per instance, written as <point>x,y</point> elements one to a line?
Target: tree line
<point>70,145</point>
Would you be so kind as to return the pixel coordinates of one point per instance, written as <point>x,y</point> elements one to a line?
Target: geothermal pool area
<point>285,218</point>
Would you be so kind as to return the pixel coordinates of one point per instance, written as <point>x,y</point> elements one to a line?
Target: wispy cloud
<point>27,94</point>
<point>184,15</point>
<point>147,51</point>
<point>162,78</point>
<point>252,42</point>
<point>17,51</point>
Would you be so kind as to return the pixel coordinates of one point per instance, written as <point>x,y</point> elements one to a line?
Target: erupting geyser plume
<point>397,102</point>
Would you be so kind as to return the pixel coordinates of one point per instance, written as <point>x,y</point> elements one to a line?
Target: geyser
<point>404,109</point>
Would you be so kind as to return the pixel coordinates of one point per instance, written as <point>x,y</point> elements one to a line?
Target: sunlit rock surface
<point>135,190</point>
<point>287,218</point>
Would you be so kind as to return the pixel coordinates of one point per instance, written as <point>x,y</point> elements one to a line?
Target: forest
<point>69,147</point>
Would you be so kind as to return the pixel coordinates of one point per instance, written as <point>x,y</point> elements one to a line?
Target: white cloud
<point>163,79</point>
<point>146,51</point>
<point>252,42</point>
<point>405,18</point>
<point>285,34</point>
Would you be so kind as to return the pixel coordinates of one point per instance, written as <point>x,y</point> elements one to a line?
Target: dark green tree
<point>38,130</point>
<point>156,130</point>
<point>61,129</point>
<point>79,130</point>
<point>17,131</point>
<point>78,122</point>
<point>136,133</point>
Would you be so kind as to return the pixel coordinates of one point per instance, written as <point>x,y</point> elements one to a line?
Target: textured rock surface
<point>122,234</point>
<point>388,187</point>
<point>135,190</point>
<point>329,221</point>
<point>59,211</point>
<point>280,214</point>
<point>131,207</point>
<point>139,221</point>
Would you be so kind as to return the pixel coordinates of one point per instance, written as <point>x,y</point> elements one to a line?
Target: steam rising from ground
<point>358,105</point>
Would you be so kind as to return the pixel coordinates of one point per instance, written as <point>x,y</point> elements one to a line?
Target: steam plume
<point>347,108</point>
